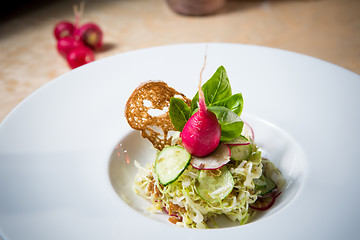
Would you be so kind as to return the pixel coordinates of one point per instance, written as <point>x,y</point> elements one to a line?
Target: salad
<point>207,162</point>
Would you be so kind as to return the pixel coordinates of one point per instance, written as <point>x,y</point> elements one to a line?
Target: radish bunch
<point>77,43</point>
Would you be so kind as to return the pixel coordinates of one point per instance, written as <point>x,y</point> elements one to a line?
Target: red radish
<point>63,29</point>
<point>80,56</point>
<point>238,144</point>
<point>270,194</point>
<point>90,34</point>
<point>263,204</point>
<point>215,160</point>
<point>66,44</point>
<point>248,131</point>
<point>201,133</point>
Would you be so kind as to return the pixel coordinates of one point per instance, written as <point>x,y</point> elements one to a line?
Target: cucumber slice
<point>214,185</point>
<point>171,163</point>
<point>240,148</point>
<point>264,185</point>
<point>259,182</point>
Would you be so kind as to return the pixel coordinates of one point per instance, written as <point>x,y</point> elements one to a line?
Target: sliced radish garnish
<point>215,160</point>
<point>238,144</point>
<point>239,141</point>
<point>263,204</point>
<point>270,194</point>
<point>235,143</point>
<point>248,131</point>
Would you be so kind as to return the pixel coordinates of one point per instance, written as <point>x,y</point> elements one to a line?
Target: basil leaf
<point>230,131</point>
<point>179,113</point>
<point>231,124</point>
<point>216,89</point>
<point>234,103</point>
<point>195,102</point>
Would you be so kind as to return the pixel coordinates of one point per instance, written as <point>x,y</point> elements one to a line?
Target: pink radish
<point>238,144</point>
<point>80,56</point>
<point>63,29</point>
<point>238,141</point>
<point>248,131</point>
<point>215,160</point>
<point>67,44</point>
<point>263,204</point>
<point>90,34</point>
<point>201,133</point>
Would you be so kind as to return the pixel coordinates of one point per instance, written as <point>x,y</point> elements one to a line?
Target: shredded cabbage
<point>190,210</point>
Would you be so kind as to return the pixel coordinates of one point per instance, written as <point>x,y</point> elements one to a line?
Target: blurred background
<point>325,29</point>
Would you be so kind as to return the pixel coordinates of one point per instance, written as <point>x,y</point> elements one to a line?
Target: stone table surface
<point>325,29</point>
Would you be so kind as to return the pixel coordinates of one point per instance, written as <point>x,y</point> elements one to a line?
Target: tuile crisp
<point>147,97</point>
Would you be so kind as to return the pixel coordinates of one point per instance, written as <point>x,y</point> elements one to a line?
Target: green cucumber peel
<point>264,185</point>
<point>212,188</point>
<point>240,152</point>
<point>170,163</point>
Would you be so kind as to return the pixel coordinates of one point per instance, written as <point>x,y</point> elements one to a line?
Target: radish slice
<point>215,160</point>
<point>240,148</point>
<point>263,204</point>
<point>248,131</point>
<point>269,194</point>
<point>239,141</point>
<point>238,144</point>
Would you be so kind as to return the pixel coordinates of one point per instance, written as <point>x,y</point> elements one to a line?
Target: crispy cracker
<point>147,110</point>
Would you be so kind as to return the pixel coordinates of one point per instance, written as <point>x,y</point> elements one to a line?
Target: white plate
<point>58,147</point>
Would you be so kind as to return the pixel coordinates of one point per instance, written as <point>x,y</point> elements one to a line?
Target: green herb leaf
<point>234,103</point>
<point>195,103</point>
<point>216,89</point>
<point>219,99</point>
<point>230,122</point>
<point>179,113</point>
